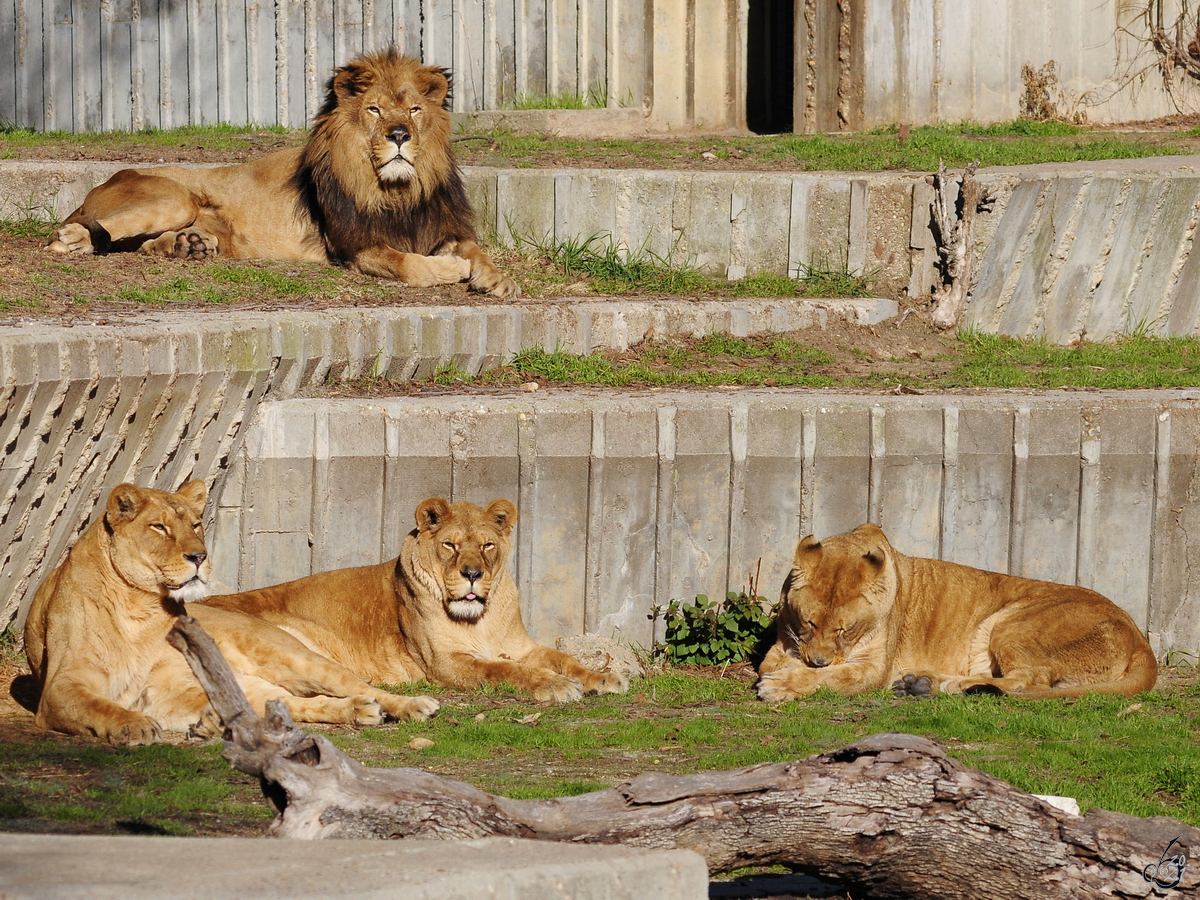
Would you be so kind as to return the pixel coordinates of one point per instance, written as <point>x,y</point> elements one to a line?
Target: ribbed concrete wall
<point>630,501</point>
<point>84,408</point>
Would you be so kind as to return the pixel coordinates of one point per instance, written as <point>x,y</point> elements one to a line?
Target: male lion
<point>445,610</point>
<point>856,616</point>
<point>96,635</point>
<point>375,188</point>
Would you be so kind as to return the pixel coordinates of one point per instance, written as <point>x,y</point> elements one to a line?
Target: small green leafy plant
<point>714,633</point>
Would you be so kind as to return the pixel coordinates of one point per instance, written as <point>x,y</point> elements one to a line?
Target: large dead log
<point>890,815</point>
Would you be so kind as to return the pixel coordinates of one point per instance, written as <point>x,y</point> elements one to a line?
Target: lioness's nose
<point>472,573</point>
<point>196,558</point>
<point>818,662</point>
<point>399,134</point>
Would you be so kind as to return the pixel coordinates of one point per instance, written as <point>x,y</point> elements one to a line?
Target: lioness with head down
<point>446,610</point>
<point>376,188</point>
<point>96,635</point>
<point>856,615</point>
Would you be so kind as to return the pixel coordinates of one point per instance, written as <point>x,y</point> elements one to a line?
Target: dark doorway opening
<point>770,61</point>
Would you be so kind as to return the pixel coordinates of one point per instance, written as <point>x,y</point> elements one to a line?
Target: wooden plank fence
<point>89,65</point>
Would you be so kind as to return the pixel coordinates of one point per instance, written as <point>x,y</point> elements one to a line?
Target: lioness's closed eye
<point>857,615</point>
<point>445,610</point>
<point>96,633</point>
<point>376,188</point>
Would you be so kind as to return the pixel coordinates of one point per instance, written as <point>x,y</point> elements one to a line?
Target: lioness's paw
<point>777,687</point>
<point>414,708</point>
<point>208,726</point>
<point>367,710</point>
<point>559,688</point>
<point>135,730</point>
<point>72,238</point>
<point>611,683</point>
<point>913,686</point>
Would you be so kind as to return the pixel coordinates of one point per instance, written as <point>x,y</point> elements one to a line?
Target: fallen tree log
<point>890,815</point>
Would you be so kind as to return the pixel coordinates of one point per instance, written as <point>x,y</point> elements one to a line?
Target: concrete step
<point>49,867</point>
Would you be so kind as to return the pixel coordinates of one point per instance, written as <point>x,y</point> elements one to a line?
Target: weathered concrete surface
<point>628,501</point>
<point>47,867</point>
<point>84,408</point>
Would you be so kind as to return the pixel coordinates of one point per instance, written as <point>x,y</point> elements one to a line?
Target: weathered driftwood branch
<point>954,219</point>
<point>891,815</point>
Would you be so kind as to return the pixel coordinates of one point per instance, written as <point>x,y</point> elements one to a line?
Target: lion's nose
<point>197,558</point>
<point>399,134</point>
<point>818,662</point>
<point>472,573</point>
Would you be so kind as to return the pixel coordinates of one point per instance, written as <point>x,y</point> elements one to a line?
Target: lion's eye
<point>373,110</point>
<point>414,109</point>
<point>449,545</point>
<point>159,527</point>
<point>489,546</point>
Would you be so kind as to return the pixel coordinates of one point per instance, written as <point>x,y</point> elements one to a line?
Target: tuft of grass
<point>595,97</point>
<point>611,266</point>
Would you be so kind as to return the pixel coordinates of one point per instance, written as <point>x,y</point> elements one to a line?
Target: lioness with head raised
<point>445,610</point>
<point>856,615</point>
<point>96,635</point>
<point>376,188</point>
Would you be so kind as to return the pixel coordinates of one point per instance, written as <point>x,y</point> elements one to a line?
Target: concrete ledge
<point>85,408</point>
<point>162,868</point>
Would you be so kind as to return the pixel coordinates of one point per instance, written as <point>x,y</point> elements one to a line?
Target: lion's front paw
<point>556,687</point>
<point>414,708</point>
<point>784,684</point>
<point>489,281</point>
<point>610,683</point>
<point>72,238</point>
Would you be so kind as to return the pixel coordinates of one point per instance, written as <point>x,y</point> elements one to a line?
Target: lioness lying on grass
<point>857,615</point>
<point>445,610</point>
<point>96,635</point>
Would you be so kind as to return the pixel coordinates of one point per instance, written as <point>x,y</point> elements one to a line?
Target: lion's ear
<point>503,514</point>
<point>432,513</point>
<point>194,493</point>
<point>434,83</point>
<point>351,80</point>
<point>124,503</point>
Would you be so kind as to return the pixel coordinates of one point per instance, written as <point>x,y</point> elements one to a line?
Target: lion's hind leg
<point>125,212</point>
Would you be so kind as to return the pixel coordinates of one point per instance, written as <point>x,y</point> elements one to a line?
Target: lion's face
<point>462,547</point>
<point>157,539</point>
<point>838,593</point>
<point>396,107</point>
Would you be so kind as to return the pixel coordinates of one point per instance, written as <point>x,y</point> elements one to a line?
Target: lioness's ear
<point>194,494</point>
<point>434,82</point>
<point>504,514</point>
<point>807,550</point>
<point>432,513</point>
<point>124,503</point>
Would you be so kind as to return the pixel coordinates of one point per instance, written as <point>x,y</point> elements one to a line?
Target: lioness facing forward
<point>856,615</point>
<point>376,188</point>
<point>446,610</point>
<point>96,635</point>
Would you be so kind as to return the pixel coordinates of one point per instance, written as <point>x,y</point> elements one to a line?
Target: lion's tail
<point>1140,675</point>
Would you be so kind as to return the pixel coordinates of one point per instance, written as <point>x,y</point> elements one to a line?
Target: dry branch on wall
<point>954,206</point>
<point>1177,43</point>
<point>890,815</point>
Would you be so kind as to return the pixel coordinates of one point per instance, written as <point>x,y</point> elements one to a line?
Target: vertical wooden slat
<point>261,37</point>
<point>30,83</point>
<point>437,37</point>
<point>562,30</point>
<point>59,62</point>
<point>468,55</point>
<point>233,86</point>
<point>318,52</point>
<point>531,47</point>
<point>87,82</point>
<point>173,64</point>
<point>408,27</point>
<point>8,61</point>
<point>202,61</point>
<point>593,44</point>
<point>290,31</point>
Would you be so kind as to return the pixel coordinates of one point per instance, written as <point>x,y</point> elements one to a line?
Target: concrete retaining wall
<point>1084,249</point>
<point>629,501</point>
<point>84,408</point>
